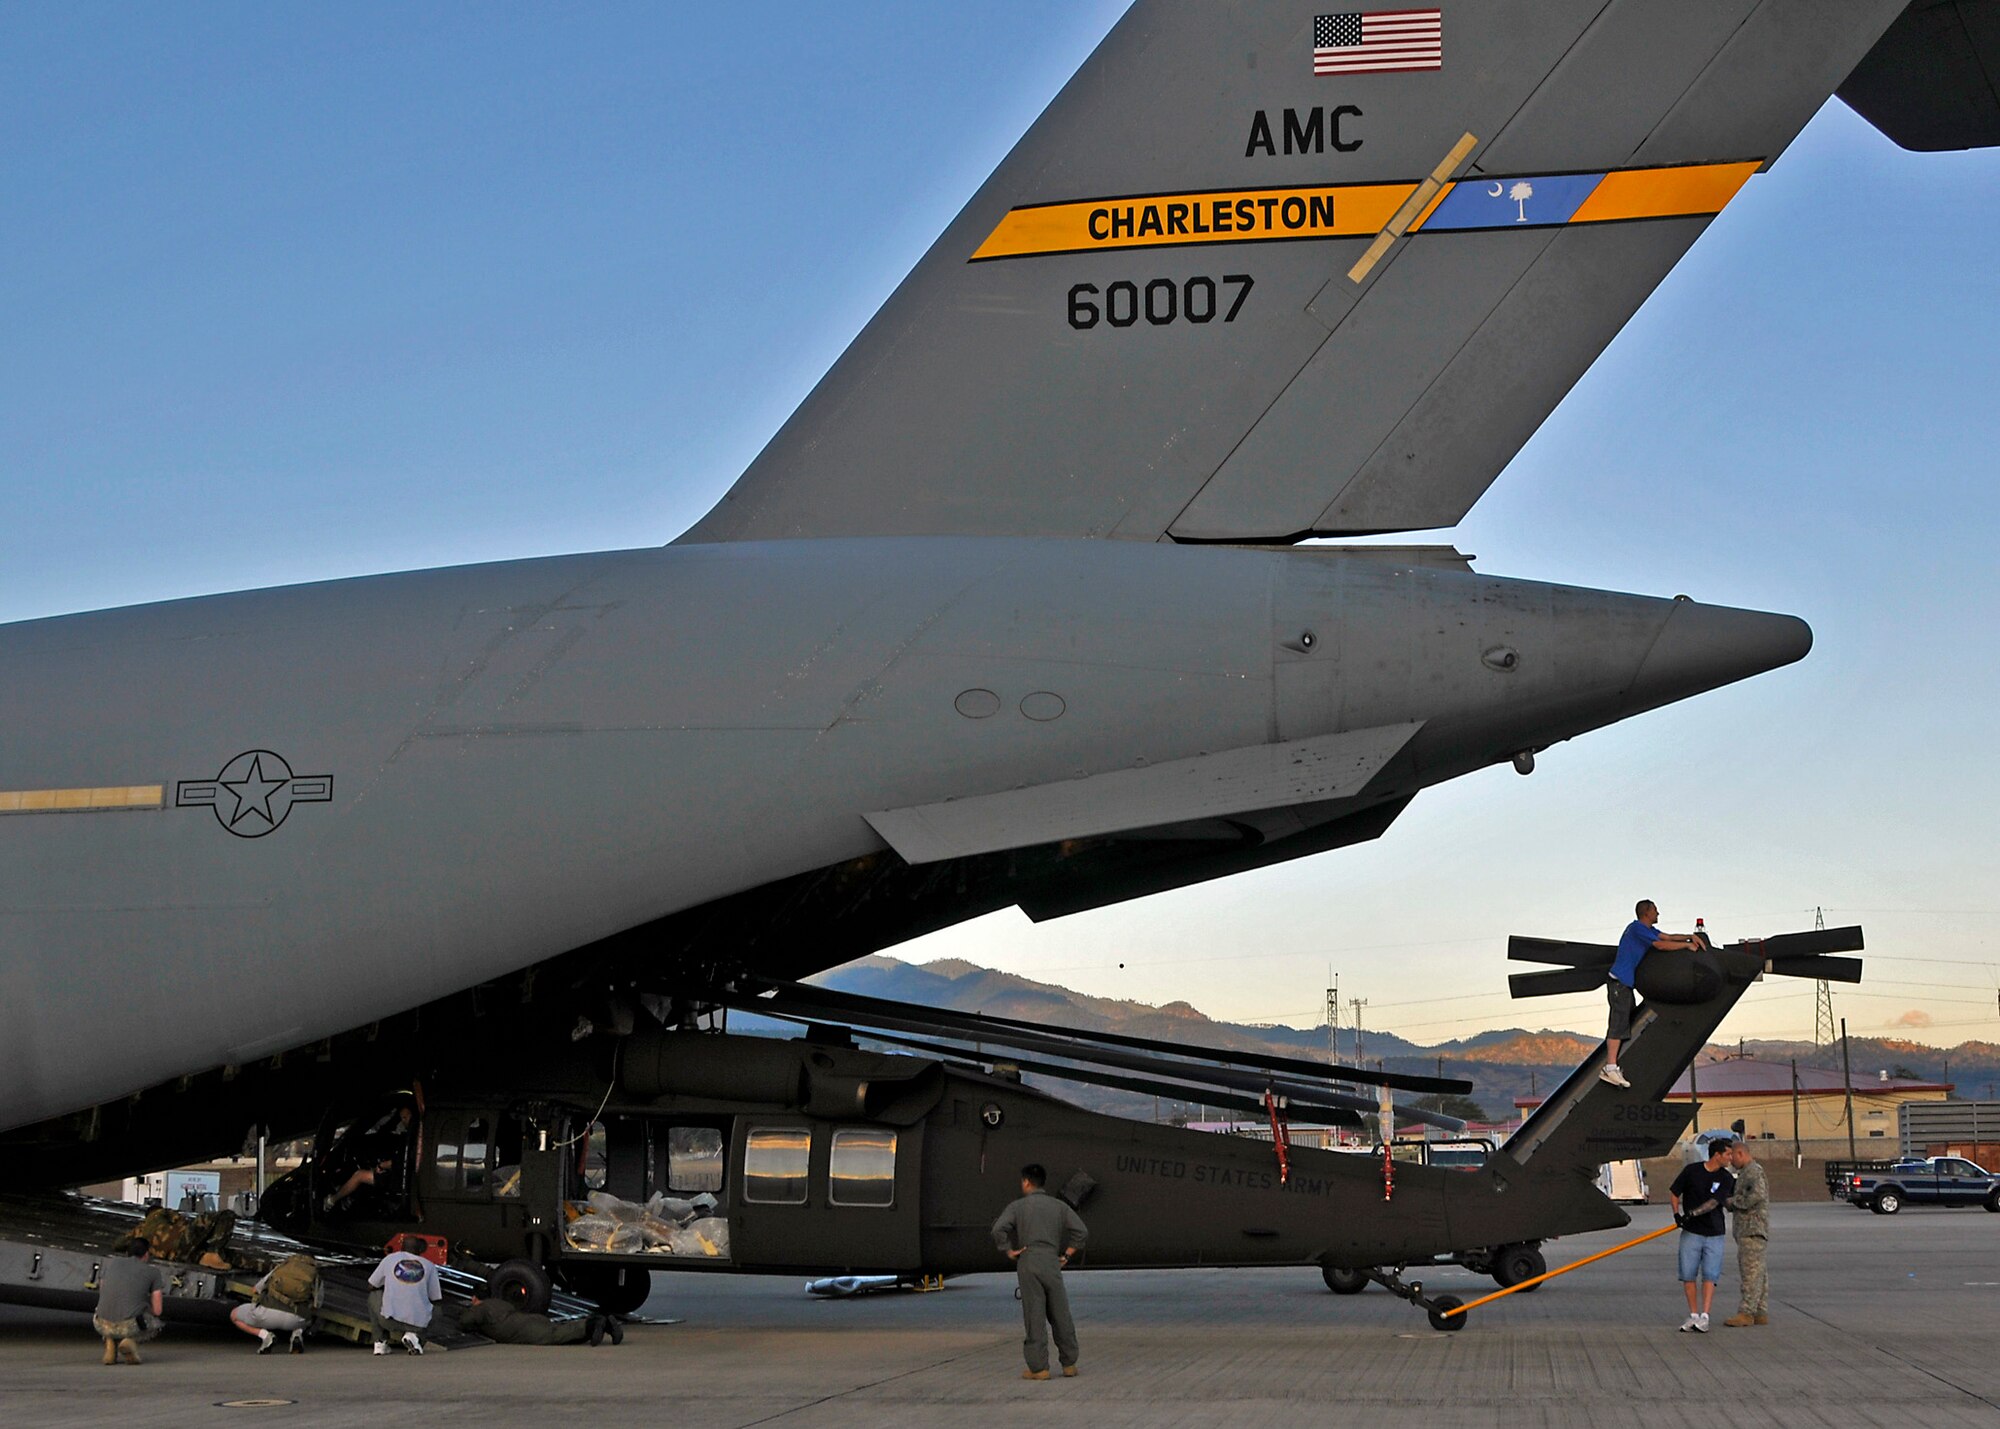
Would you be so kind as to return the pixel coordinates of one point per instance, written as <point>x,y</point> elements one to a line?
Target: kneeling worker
<point>1040,1233</point>
<point>131,1298</point>
<point>281,1304</point>
<point>504,1324</point>
<point>405,1293</point>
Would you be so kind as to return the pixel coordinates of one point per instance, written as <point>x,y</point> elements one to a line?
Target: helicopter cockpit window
<point>366,1170</point>
<point>774,1164</point>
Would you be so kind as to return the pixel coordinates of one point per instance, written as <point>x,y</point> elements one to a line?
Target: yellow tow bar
<point>1552,1274</point>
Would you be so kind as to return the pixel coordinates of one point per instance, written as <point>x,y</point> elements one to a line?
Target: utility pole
<point>1847,1076</point>
<point>1822,1003</point>
<point>1799,1153</point>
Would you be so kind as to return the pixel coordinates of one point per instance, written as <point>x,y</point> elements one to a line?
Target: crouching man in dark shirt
<point>131,1298</point>
<point>503,1324</point>
<point>1699,1194</point>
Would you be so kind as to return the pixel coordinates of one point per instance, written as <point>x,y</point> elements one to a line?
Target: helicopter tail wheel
<point>1440,1316</point>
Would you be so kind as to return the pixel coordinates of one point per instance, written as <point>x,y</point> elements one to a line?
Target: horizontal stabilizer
<point>1933,81</point>
<point>1208,786</point>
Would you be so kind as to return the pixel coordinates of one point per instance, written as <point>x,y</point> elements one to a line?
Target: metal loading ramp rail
<point>53,1246</point>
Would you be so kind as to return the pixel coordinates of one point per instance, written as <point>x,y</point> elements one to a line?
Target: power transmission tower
<point>1332,1018</point>
<point>1823,1003</point>
<point>1357,1003</point>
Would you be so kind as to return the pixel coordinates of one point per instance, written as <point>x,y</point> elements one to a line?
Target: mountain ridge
<point>1503,1063</point>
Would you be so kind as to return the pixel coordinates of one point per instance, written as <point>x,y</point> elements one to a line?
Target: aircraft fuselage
<point>324,804</point>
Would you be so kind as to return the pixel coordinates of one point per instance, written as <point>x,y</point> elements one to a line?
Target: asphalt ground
<point>1875,1320</point>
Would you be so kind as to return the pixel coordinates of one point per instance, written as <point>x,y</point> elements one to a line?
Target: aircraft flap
<point>1208,786</point>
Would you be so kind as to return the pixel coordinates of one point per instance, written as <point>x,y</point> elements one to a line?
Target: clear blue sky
<point>290,293</point>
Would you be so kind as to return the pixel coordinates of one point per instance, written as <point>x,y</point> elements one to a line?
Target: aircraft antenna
<point>1822,1004</point>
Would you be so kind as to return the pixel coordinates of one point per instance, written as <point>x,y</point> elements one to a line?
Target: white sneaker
<point>382,1346</point>
<point>298,1342</point>
<point>414,1345</point>
<point>1612,1075</point>
<point>1701,1324</point>
<point>265,1340</point>
<point>1692,1322</point>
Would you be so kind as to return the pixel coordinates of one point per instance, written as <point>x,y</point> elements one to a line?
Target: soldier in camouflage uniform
<point>1752,1206</point>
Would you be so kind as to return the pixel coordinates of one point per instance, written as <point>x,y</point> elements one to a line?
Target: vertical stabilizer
<point>1586,1121</point>
<point>1262,271</point>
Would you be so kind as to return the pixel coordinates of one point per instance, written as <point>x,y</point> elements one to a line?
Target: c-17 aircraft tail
<point>1261,272</point>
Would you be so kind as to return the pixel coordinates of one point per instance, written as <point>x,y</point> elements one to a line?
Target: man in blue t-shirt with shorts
<point>1640,938</point>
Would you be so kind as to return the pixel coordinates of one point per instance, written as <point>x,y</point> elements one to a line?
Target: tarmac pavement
<point>1875,1320</point>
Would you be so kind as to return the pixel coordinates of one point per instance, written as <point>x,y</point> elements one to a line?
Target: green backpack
<point>165,1231</point>
<point>292,1284</point>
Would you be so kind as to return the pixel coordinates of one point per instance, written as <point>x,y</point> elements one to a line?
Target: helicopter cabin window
<point>444,1157</point>
<point>472,1157</point>
<point>774,1164</point>
<point>459,1160</point>
<point>862,1168</point>
<point>694,1160</point>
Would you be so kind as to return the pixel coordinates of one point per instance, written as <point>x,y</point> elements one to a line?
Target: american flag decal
<point>1357,42</point>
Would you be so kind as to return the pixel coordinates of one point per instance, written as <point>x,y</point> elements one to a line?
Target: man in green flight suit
<point>1040,1233</point>
<point>1751,1203</point>
<point>503,1324</point>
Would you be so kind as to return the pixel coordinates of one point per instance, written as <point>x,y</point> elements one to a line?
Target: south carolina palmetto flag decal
<point>1374,41</point>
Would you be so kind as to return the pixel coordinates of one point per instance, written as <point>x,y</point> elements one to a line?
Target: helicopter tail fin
<point>1589,1121</point>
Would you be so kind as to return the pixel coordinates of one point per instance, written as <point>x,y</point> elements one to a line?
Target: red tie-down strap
<point>1281,1136</point>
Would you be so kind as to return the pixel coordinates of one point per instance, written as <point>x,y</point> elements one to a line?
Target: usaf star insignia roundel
<point>253,793</point>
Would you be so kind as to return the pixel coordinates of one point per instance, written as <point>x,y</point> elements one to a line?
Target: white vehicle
<point>1624,1181</point>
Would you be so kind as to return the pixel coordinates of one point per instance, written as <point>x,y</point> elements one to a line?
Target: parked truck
<point>1885,1187</point>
